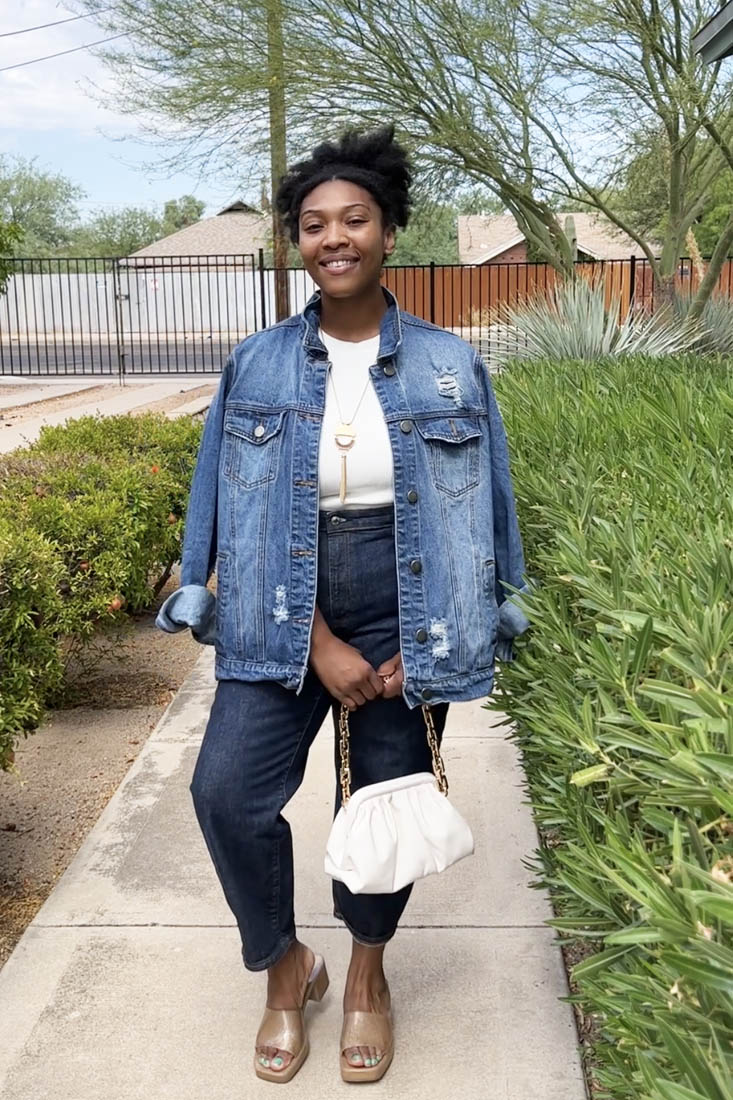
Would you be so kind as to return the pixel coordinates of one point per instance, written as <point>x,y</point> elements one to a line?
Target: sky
<point>47,112</point>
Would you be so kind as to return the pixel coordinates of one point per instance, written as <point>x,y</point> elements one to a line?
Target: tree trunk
<point>278,152</point>
<point>713,272</point>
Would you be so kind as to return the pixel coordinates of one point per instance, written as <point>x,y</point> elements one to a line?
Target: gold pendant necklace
<point>345,433</point>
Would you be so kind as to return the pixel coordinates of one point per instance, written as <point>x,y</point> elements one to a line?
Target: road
<point>39,355</point>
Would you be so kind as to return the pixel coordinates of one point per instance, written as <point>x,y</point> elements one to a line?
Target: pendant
<point>344,436</point>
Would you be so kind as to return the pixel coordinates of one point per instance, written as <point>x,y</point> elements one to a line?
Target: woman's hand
<point>392,675</point>
<point>344,672</point>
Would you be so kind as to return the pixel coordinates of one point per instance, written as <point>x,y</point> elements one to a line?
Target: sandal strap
<point>282,1028</point>
<point>366,1029</point>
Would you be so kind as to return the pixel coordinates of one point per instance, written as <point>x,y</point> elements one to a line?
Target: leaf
<point>596,963</point>
<point>589,775</point>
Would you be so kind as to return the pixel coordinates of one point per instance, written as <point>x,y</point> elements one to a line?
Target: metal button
<point>427,693</point>
<point>335,520</point>
<point>260,430</point>
<point>405,425</point>
<point>421,635</point>
<point>416,565</point>
<point>389,370</point>
<point>412,496</point>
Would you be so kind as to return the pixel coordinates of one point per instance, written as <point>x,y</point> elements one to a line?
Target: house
<point>236,230</point>
<point>497,239</point>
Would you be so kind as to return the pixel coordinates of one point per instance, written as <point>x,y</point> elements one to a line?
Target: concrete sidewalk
<point>129,981</point>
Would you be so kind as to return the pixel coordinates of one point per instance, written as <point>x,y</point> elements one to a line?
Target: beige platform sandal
<point>366,1029</point>
<point>284,1028</point>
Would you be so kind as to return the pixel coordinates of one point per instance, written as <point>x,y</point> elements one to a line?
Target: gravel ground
<point>69,769</point>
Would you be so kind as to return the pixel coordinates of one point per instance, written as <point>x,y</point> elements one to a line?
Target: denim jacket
<point>253,509</point>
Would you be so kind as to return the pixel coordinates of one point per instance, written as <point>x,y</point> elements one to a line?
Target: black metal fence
<point>182,314</point>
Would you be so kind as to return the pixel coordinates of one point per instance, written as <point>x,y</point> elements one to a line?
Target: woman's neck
<point>357,318</point>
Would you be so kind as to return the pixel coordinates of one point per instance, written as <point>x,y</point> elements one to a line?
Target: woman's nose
<point>336,234</point>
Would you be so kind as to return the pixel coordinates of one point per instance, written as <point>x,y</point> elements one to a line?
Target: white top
<point>369,473</point>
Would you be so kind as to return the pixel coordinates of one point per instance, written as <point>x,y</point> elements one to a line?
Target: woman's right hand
<point>344,672</point>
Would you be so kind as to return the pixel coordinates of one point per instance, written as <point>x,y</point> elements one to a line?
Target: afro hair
<point>374,160</point>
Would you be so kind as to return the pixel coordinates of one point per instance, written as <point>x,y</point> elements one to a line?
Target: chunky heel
<point>319,984</point>
<point>284,1028</point>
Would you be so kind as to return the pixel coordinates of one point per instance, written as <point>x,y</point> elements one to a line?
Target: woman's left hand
<point>392,676</point>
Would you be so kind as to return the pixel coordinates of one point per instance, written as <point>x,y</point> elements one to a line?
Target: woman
<point>358,561</point>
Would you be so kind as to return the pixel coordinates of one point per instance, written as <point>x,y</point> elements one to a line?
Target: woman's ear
<point>388,242</point>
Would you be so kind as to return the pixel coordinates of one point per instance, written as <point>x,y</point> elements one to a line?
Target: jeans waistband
<point>356,519</point>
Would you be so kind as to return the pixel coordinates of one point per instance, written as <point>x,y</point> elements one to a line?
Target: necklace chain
<point>338,404</point>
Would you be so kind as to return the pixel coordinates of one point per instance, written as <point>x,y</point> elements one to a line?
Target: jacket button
<point>405,426</point>
<point>427,693</point>
<point>421,635</point>
<point>412,496</point>
<point>260,430</point>
<point>389,370</point>
<point>416,565</point>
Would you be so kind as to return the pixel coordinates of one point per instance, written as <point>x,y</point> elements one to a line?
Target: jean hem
<point>365,941</point>
<point>273,957</point>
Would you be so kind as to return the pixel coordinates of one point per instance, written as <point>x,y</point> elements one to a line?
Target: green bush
<point>103,500</point>
<point>570,322</point>
<point>622,698</point>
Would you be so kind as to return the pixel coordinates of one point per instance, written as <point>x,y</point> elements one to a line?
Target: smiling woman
<point>370,589</point>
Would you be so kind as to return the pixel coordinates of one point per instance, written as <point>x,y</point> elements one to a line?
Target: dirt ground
<point>67,771</point>
<point>13,416</point>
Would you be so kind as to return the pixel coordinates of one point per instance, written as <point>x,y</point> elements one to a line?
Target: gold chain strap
<point>345,770</point>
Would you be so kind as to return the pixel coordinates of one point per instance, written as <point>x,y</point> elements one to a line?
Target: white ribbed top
<point>369,474</point>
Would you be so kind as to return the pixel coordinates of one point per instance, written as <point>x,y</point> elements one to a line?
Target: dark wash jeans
<point>255,747</point>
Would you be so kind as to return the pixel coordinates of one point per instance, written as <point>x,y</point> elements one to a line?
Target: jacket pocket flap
<point>450,429</point>
<point>256,427</point>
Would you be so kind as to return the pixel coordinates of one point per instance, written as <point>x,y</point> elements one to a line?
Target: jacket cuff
<point>512,621</point>
<point>190,605</point>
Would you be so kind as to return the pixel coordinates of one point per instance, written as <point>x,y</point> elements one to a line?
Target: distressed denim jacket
<point>253,509</point>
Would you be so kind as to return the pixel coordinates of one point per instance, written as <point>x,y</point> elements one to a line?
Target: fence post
<point>119,328</point>
<point>262,287</point>
<point>432,291</point>
<point>632,283</point>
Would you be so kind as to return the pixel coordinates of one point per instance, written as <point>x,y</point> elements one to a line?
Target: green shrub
<point>570,322</point>
<point>716,323</point>
<point>30,667</point>
<point>622,695</point>
<point>105,498</point>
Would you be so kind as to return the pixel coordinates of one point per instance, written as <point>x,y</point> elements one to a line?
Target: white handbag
<point>388,834</point>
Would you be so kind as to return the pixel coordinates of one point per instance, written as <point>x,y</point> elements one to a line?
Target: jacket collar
<point>390,329</point>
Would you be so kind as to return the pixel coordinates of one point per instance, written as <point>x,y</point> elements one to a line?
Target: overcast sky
<point>47,113</point>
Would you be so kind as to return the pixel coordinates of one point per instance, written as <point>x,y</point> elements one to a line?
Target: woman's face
<point>341,238</point>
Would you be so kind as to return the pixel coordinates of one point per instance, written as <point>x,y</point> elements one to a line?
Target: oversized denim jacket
<point>253,509</point>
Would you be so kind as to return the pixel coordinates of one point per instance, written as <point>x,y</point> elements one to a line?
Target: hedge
<point>91,523</point>
<point>621,699</point>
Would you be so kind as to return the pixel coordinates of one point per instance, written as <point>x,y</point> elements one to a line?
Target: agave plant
<point>571,321</point>
<point>716,327</point>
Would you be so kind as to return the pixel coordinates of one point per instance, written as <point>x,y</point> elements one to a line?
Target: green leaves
<point>622,704</point>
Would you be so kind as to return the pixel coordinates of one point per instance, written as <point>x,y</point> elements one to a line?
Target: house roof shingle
<point>232,232</point>
<point>483,236</point>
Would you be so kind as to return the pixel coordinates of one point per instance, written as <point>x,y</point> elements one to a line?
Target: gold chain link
<point>345,769</point>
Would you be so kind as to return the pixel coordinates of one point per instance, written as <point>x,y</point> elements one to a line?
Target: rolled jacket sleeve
<point>511,580</point>
<point>192,605</point>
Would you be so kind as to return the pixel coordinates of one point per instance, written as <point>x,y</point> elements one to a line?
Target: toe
<point>354,1056</point>
<point>280,1060</point>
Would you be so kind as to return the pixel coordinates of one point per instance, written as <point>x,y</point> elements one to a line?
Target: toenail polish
<point>265,1061</point>
<point>277,1061</point>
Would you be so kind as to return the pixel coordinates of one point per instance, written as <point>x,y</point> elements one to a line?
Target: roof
<point>714,40</point>
<point>232,232</point>
<point>481,237</point>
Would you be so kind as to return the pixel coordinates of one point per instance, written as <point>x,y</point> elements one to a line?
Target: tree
<point>41,204</point>
<point>178,213</point>
<point>116,233</point>
<point>539,102</point>
<point>10,236</point>
<point>213,81</point>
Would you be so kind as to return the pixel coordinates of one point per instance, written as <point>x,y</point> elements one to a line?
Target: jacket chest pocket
<point>251,446</point>
<point>452,444</point>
